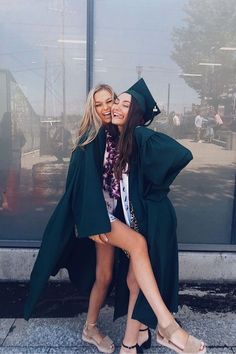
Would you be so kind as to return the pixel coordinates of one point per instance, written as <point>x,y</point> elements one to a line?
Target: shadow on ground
<point>62,299</point>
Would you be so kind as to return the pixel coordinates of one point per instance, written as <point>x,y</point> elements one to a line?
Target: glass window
<point>42,94</point>
<point>190,67</point>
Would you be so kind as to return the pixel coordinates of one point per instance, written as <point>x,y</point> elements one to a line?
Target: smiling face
<point>103,101</point>
<point>120,110</point>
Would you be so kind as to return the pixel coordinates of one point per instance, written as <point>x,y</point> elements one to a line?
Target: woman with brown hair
<point>141,171</point>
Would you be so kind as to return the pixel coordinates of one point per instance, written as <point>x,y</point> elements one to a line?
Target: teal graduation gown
<point>158,160</point>
<point>82,206</point>
<point>156,163</point>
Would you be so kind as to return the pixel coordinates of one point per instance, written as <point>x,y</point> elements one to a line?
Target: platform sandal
<point>192,346</point>
<point>89,334</point>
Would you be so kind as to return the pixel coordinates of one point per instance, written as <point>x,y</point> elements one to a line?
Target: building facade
<point>54,51</point>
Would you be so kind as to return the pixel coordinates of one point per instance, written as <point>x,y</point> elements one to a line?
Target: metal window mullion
<point>233,226</point>
<point>90,45</point>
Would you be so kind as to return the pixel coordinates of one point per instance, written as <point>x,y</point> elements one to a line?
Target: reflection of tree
<point>209,25</point>
<point>204,202</point>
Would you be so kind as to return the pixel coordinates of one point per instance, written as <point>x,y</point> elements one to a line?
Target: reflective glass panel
<point>186,52</point>
<point>42,86</point>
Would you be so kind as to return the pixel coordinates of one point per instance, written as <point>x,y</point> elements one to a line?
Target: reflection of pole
<point>205,86</point>
<point>168,100</point>
<point>90,45</point>
<point>45,81</point>
<point>233,226</point>
<point>63,64</point>
<point>139,69</point>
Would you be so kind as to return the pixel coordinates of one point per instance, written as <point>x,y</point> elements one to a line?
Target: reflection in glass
<point>191,70</point>
<point>42,93</point>
<point>189,65</point>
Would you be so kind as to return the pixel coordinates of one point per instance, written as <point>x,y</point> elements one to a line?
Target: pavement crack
<point>11,329</point>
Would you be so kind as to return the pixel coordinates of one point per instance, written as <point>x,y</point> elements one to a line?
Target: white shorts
<point>111,217</point>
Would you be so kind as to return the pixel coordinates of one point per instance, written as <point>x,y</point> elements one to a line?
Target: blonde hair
<point>91,122</point>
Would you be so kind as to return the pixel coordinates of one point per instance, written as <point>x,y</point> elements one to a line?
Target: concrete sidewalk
<point>63,335</point>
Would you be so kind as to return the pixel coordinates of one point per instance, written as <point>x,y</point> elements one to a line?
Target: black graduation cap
<point>141,93</point>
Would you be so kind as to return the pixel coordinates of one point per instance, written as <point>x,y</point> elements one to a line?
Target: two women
<point>84,197</point>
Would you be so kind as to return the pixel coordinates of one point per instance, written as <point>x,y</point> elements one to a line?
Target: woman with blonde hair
<point>65,248</point>
<point>98,114</point>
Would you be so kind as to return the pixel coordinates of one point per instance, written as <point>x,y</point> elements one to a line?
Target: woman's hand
<point>102,238</point>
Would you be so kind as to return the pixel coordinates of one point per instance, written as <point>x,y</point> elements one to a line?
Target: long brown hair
<point>126,145</point>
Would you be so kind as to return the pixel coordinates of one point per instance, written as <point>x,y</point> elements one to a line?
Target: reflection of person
<point>151,161</point>
<point>209,134</point>
<point>5,158</point>
<point>218,123</point>
<point>218,119</point>
<point>176,126</point>
<point>83,205</point>
<point>61,143</point>
<point>12,141</point>
<point>199,120</point>
<point>18,141</point>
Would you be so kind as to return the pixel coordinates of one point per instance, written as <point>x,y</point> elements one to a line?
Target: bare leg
<point>133,334</point>
<point>123,237</point>
<point>132,326</point>
<point>104,268</point>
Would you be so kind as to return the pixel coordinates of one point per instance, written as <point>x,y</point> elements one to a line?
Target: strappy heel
<point>192,345</point>
<point>90,332</point>
<point>147,343</point>
<point>138,348</point>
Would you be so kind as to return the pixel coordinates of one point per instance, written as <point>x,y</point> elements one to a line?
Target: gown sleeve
<point>162,159</point>
<point>75,159</point>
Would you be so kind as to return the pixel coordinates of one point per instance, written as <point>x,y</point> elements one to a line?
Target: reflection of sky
<point>138,33</point>
<point>127,34</point>
<point>25,27</point>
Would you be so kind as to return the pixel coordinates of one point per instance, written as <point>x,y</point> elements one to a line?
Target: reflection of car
<point>233,124</point>
<point>162,124</point>
<point>188,123</point>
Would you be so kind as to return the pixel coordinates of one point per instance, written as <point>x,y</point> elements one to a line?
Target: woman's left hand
<point>102,238</point>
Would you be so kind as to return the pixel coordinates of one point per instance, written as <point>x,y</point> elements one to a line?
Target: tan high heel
<point>89,334</point>
<point>192,345</point>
